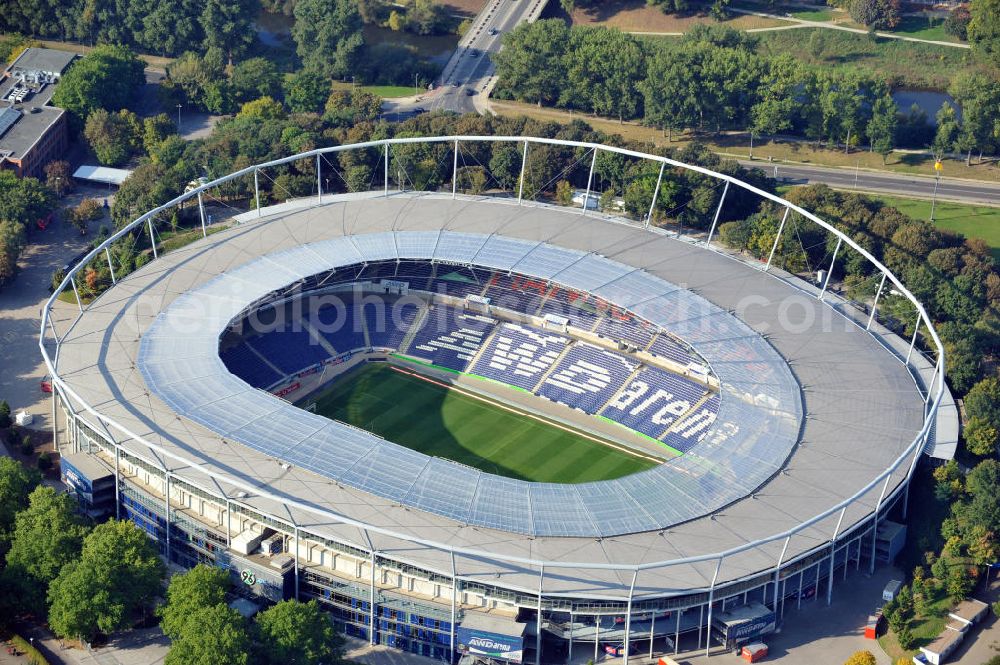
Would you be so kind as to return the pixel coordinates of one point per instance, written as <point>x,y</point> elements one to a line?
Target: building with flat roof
<point>32,131</point>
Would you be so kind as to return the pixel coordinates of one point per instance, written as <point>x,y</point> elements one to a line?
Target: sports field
<point>435,420</point>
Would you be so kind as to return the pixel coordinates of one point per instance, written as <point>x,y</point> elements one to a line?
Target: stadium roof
<point>179,360</point>
<point>862,408</point>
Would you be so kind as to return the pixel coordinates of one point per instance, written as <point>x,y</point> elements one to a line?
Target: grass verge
<point>972,221</point>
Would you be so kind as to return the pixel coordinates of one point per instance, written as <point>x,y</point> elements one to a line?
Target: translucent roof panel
<point>756,426</point>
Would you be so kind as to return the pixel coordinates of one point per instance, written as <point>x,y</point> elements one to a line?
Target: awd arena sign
<point>491,645</point>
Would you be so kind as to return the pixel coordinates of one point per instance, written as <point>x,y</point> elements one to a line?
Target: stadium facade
<point>820,415</point>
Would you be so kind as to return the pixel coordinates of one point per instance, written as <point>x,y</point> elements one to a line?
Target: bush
<point>58,275</point>
<point>4,414</point>
<point>957,23</point>
<point>27,447</point>
<point>879,14</point>
<point>905,638</point>
<point>45,461</point>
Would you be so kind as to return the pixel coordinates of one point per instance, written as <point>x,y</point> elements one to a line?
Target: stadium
<point>489,427</point>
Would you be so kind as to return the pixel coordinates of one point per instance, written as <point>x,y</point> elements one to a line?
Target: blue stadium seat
<point>450,337</point>
<point>587,377</point>
<point>654,400</point>
<point>519,355</point>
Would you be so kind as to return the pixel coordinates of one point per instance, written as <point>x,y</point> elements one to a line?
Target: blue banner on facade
<point>492,645</point>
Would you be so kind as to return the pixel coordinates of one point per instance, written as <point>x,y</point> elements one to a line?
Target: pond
<point>274,29</point>
<point>930,101</point>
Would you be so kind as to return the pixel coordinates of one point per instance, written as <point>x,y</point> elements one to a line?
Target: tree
<point>531,64</point>
<point>166,27</point>
<point>117,575</point>
<point>981,438</point>
<point>983,401</point>
<point>948,481</point>
<point>11,245</point>
<point>16,484</point>
<point>113,137</point>
<point>427,17</point>
<point>151,184</point>
<point>905,638</point>
<point>984,29</point>
<point>776,110</point>
<point>960,582</point>
<point>299,633</point>
<point>880,14</point>
<point>59,177</point>
<point>604,68</point>
<point>957,23</point>
<point>979,97</point>
<point>228,25</point>
<point>264,108</point>
<point>202,586</point>
<point>327,35</point>
<point>23,200</point>
<point>254,78</point>
<point>215,635</point>
<point>306,91</point>
<point>670,90</point>
<point>881,128</point>
<point>47,535</point>
<point>564,193</point>
<point>983,487</point>
<point>861,658</point>
<point>947,131</point>
<point>155,130</point>
<point>106,78</point>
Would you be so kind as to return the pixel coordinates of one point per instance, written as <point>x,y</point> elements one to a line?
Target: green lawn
<point>822,15</point>
<point>921,27</point>
<point>390,91</point>
<point>438,421</point>
<point>972,221</point>
<point>383,91</point>
<point>893,58</point>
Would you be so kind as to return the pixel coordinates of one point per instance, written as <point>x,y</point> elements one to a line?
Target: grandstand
<point>450,338</point>
<point>785,478</point>
<point>577,374</point>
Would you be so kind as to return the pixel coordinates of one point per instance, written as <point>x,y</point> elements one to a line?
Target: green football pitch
<point>435,420</point>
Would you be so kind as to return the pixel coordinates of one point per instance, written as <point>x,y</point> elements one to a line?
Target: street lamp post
<point>938,167</point>
<point>179,118</point>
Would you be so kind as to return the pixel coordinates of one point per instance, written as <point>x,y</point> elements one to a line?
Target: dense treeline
<point>161,27</point>
<point>713,80</point>
<point>330,44</point>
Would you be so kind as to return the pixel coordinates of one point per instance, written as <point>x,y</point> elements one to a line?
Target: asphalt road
<point>951,189</point>
<point>466,77</point>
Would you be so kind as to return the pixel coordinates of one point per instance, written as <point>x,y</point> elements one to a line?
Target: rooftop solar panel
<point>8,117</point>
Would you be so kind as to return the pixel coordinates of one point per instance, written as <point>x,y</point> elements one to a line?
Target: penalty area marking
<point>533,416</point>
